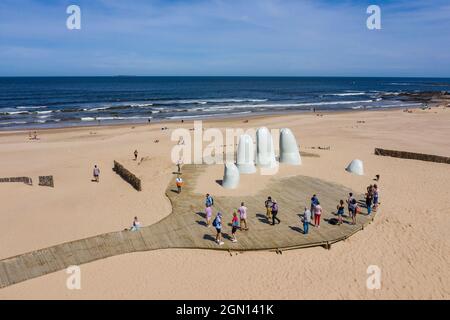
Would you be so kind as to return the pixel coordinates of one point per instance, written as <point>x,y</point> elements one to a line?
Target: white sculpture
<point>288,148</point>
<point>265,151</point>
<point>230,176</point>
<point>356,167</point>
<point>246,155</point>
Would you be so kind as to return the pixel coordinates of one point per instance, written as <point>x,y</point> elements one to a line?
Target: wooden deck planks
<point>185,227</point>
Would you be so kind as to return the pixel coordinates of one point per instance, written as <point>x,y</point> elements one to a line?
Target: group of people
<point>314,213</point>
<point>238,221</point>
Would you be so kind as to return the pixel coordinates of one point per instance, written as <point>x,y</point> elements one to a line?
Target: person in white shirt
<point>136,225</point>
<point>306,220</point>
<point>96,173</point>
<point>243,216</point>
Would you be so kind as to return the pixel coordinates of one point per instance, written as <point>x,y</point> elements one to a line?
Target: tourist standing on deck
<point>314,202</point>
<point>243,216</point>
<point>340,211</point>
<point>349,203</point>
<point>217,223</point>
<point>208,212</point>
<point>209,201</point>
<point>96,173</point>
<point>306,220</point>
<point>375,197</point>
<point>179,183</point>
<point>268,204</point>
<point>135,155</point>
<point>317,214</point>
<point>369,201</point>
<point>234,226</point>
<point>353,208</point>
<point>275,212</point>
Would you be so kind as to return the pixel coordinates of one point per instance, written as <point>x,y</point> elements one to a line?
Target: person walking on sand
<point>317,214</point>
<point>340,211</point>
<point>136,225</point>
<point>275,212</point>
<point>179,183</point>
<point>209,201</point>
<point>135,155</point>
<point>179,163</point>
<point>243,216</point>
<point>96,174</point>
<point>217,223</point>
<point>306,220</point>
<point>234,226</point>
<point>268,204</point>
<point>208,212</point>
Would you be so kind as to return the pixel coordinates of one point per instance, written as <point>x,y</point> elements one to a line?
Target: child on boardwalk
<point>179,183</point>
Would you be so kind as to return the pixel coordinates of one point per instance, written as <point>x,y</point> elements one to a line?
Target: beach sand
<point>408,241</point>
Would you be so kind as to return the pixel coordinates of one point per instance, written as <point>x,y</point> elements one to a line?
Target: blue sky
<point>225,37</point>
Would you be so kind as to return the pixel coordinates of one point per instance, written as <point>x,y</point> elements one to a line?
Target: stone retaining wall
<point>25,180</point>
<point>127,175</point>
<point>411,155</point>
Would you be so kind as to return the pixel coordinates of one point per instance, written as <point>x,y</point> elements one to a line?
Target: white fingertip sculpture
<point>230,176</point>
<point>265,152</point>
<point>245,159</point>
<point>356,167</point>
<point>288,148</point>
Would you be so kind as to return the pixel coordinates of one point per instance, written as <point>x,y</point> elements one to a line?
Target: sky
<point>225,38</point>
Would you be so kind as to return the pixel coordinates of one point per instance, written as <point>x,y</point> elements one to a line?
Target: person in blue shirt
<point>217,223</point>
<point>209,201</point>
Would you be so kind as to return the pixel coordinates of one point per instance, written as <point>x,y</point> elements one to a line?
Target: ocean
<point>43,102</point>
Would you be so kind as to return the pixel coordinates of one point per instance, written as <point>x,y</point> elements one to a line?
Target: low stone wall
<point>411,155</point>
<point>25,180</point>
<point>127,176</point>
<point>46,181</point>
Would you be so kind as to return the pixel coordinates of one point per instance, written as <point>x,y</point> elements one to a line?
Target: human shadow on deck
<point>202,223</point>
<point>300,230</point>
<point>262,218</point>
<point>201,214</point>
<point>209,237</point>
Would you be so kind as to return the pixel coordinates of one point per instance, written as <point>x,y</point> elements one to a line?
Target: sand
<point>409,239</point>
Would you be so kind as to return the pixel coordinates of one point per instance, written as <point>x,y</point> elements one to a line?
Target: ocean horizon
<point>46,102</point>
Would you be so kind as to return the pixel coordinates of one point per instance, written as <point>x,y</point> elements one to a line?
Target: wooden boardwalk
<point>185,227</point>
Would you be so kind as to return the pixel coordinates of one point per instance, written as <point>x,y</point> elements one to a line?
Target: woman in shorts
<point>234,226</point>
<point>340,211</point>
